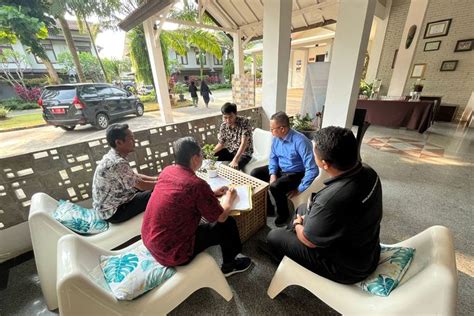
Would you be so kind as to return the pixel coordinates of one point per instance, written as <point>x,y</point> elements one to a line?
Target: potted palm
<point>208,151</point>
<point>304,124</point>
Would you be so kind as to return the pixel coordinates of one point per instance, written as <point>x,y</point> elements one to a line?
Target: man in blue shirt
<point>291,168</point>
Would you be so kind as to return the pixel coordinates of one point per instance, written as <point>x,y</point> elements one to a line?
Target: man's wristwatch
<point>296,224</point>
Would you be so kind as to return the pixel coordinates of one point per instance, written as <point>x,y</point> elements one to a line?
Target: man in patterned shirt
<point>235,138</point>
<point>118,193</point>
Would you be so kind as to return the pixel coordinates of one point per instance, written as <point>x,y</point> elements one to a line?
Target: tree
<point>83,9</point>
<point>114,67</point>
<point>89,64</point>
<point>193,38</point>
<point>27,21</point>
<point>8,57</point>
<point>139,55</point>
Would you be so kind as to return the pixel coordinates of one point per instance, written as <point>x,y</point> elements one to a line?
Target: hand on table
<point>229,198</point>
<point>234,164</point>
<point>220,191</point>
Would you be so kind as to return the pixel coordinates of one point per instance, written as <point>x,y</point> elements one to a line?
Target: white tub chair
<point>262,146</point>
<point>46,231</point>
<point>80,278</point>
<point>429,286</point>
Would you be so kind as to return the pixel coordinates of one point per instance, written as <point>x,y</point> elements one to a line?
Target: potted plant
<point>208,151</point>
<point>304,124</point>
<point>365,89</point>
<point>180,89</point>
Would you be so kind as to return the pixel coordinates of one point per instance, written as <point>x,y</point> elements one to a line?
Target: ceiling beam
<point>144,12</point>
<point>296,13</point>
<point>201,25</point>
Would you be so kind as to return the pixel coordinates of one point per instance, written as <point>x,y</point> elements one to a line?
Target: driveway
<point>40,138</point>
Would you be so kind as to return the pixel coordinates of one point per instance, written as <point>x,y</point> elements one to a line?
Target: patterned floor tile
<point>403,146</point>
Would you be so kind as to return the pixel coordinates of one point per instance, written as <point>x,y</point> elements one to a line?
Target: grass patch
<point>22,121</point>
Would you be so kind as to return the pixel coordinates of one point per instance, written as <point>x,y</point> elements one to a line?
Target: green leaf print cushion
<point>79,219</point>
<point>393,263</point>
<point>131,274</point>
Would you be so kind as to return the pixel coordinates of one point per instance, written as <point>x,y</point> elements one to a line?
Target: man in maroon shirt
<point>171,228</point>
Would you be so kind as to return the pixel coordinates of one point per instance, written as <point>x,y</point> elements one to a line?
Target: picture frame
<point>432,46</point>
<point>449,65</point>
<point>437,28</point>
<point>418,70</point>
<point>465,45</point>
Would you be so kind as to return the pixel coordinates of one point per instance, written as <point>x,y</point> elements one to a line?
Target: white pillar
<point>276,55</point>
<point>254,64</point>
<point>352,35</point>
<point>376,51</point>
<point>329,51</point>
<point>238,54</point>
<point>416,14</point>
<point>158,70</point>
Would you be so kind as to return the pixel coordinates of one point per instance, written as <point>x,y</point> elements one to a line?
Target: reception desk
<point>412,115</point>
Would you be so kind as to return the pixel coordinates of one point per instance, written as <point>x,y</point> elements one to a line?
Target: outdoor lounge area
<point>419,191</point>
<point>370,66</point>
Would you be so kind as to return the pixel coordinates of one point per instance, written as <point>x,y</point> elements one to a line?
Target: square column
<point>158,69</point>
<point>238,54</point>
<point>276,55</point>
<point>352,35</point>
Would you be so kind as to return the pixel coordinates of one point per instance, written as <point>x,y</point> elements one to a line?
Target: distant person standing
<point>205,93</point>
<point>193,90</point>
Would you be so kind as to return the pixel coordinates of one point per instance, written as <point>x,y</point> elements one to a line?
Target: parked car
<point>69,105</point>
<point>146,89</point>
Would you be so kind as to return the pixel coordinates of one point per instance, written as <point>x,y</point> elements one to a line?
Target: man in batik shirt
<point>235,138</point>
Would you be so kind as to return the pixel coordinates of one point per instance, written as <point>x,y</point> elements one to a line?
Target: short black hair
<point>229,108</point>
<point>281,118</point>
<point>337,146</point>
<point>115,132</point>
<point>184,149</point>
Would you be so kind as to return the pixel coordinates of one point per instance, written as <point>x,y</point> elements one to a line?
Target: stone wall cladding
<point>243,91</point>
<point>454,86</point>
<point>66,172</point>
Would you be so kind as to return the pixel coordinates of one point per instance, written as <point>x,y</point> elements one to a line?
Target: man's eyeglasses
<point>272,129</point>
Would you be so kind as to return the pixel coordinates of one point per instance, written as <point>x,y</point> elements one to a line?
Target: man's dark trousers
<point>285,183</point>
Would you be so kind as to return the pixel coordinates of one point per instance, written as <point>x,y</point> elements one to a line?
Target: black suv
<point>87,103</point>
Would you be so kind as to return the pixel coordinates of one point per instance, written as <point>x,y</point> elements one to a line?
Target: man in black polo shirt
<point>337,237</point>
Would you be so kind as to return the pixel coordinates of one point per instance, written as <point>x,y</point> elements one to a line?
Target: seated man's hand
<point>298,220</point>
<point>220,191</point>
<point>273,178</point>
<point>293,194</point>
<point>234,164</point>
<point>229,198</point>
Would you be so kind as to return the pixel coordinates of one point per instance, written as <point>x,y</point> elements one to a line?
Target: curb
<point>21,128</point>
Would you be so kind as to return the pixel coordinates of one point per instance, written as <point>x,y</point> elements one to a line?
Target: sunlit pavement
<point>40,138</point>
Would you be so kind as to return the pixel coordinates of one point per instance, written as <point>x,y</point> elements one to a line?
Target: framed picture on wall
<point>437,28</point>
<point>418,70</point>
<point>431,46</point>
<point>464,45</point>
<point>449,65</point>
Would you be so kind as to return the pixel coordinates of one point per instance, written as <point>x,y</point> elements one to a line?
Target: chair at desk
<point>362,126</point>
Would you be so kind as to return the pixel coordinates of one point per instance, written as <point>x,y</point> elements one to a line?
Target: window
<point>88,91</point>
<point>83,47</point>
<point>320,58</point>
<point>103,91</point>
<point>118,92</point>
<point>5,46</point>
<point>204,60</point>
<point>182,59</point>
<point>217,61</point>
<point>49,49</point>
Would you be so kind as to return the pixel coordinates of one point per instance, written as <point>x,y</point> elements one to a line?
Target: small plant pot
<point>212,173</point>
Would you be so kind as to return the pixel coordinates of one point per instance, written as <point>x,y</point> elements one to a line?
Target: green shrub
<point>148,98</point>
<point>217,86</point>
<point>3,112</point>
<point>15,104</point>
